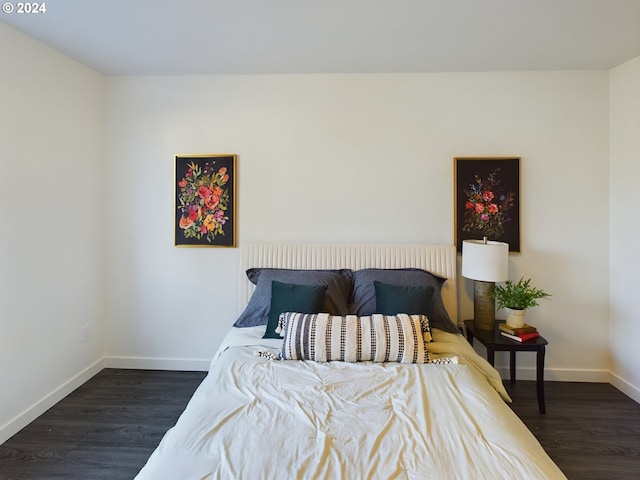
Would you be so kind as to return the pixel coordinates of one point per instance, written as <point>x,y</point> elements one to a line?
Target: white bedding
<point>256,418</point>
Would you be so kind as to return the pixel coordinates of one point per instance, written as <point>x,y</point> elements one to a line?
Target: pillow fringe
<point>280,328</point>
<point>269,355</point>
<point>435,361</point>
<point>444,361</point>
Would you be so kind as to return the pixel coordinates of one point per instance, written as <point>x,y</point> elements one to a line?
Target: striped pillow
<point>379,338</point>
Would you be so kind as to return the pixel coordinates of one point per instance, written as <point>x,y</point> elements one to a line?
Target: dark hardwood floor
<point>107,428</point>
<point>591,430</point>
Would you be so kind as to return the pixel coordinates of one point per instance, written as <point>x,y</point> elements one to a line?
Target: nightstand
<point>494,342</point>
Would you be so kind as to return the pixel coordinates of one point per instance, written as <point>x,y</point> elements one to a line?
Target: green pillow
<point>286,297</point>
<point>394,299</point>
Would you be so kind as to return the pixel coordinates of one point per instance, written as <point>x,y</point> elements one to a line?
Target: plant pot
<point>515,317</point>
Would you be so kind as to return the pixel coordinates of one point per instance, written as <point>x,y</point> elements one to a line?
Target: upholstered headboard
<point>437,259</point>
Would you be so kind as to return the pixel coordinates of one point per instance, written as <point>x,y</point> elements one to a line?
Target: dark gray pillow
<point>338,283</point>
<point>363,299</point>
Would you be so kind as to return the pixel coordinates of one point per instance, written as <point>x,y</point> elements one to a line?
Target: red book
<point>521,338</point>
<point>526,328</point>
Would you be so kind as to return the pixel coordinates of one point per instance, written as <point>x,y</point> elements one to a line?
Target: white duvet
<point>257,418</point>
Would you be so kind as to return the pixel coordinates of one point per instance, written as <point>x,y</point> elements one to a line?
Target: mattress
<point>254,417</point>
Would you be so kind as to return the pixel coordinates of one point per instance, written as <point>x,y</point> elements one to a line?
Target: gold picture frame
<point>205,200</point>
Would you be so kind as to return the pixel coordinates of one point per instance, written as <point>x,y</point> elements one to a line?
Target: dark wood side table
<point>494,342</point>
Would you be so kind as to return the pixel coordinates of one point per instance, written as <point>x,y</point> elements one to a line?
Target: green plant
<point>520,296</point>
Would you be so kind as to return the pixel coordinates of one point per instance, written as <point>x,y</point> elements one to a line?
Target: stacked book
<point>519,334</point>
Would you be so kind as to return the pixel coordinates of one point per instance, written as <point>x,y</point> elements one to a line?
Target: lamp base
<point>484,305</point>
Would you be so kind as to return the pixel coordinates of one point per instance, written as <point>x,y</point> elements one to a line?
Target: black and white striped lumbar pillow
<point>379,338</point>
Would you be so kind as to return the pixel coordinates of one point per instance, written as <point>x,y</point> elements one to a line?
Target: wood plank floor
<point>107,428</point>
<point>590,430</point>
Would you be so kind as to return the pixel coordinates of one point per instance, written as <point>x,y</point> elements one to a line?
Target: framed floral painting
<point>487,200</point>
<point>205,187</point>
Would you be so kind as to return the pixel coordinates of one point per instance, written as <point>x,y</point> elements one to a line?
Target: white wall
<point>624,226</point>
<point>86,165</point>
<point>86,211</point>
<point>51,236</point>
<point>354,158</point>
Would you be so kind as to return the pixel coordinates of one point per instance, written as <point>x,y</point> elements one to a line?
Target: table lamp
<point>485,262</point>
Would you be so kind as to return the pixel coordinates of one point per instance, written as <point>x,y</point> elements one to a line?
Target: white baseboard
<point>557,375</point>
<point>592,376</point>
<point>28,415</point>
<point>201,365</point>
<point>625,387</point>
<point>24,418</point>
<point>146,363</point>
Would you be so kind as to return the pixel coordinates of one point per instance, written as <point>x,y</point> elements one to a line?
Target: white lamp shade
<point>487,262</point>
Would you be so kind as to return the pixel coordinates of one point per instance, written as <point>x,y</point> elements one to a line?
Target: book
<point>526,328</point>
<point>521,338</point>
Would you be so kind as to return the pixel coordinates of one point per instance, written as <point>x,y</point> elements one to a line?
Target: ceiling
<point>194,37</point>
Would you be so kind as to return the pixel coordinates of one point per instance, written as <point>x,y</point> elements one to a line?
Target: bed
<point>350,394</point>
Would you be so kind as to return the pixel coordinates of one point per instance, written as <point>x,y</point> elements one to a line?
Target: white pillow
<point>378,338</point>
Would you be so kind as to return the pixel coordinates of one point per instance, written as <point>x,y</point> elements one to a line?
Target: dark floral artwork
<point>487,200</point>
<point>486,210</point>
<point>205,200</point>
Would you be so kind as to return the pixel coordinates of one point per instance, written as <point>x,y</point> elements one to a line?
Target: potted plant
<point>516,298</point>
